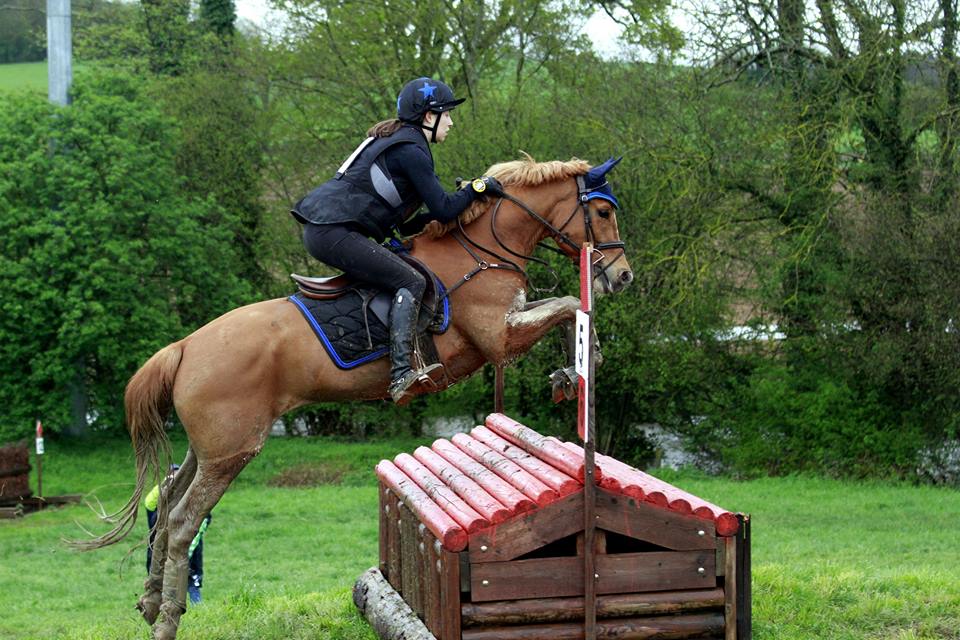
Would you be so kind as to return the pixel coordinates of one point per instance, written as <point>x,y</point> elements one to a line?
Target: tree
<point>103,259</point>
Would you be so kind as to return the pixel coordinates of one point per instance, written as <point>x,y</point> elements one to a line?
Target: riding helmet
<point>422,95</point>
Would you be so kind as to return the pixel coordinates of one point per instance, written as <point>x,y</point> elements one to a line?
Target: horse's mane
<point>522,173</point>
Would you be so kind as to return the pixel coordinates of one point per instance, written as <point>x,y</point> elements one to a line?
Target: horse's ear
<point>596,176</point>
<point>605,168</point>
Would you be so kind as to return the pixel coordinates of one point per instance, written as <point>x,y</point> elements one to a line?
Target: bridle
<point>583,197</point>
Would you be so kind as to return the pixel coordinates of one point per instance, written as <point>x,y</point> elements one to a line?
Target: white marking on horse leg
<point>541,312</point>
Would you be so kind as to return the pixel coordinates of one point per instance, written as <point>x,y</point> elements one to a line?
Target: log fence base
<point>549,610</point>
<point>660,628</point>
<point>388,614</point>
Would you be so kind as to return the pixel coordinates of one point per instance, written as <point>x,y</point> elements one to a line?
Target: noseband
<point>583,196</point>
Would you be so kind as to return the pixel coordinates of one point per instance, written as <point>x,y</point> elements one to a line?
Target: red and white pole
<point>39,459</point>
<point>586,429</point>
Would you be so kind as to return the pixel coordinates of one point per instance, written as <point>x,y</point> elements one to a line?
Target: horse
<point>232,378</point>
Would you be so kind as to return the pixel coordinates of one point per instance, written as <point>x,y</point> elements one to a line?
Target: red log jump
<point>505,493</point>
<point>665,494</point>
<point>444,496</point>
<point>552,477</point>
<point>537,445</point>
<point>527,483</point>
<point>451,535</point>
<point>471,492</point>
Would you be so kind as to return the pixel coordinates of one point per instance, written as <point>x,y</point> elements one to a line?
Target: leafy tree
<point>103,258</point>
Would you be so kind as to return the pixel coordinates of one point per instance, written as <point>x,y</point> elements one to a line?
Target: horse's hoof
<point>149,608</point>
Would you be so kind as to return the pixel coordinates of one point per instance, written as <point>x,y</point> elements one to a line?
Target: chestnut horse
<point>232,378</point>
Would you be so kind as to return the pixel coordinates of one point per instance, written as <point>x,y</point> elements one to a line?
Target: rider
<point>378,188</point>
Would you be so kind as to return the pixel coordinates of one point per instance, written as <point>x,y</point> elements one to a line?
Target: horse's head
<point>585,210</point>
<point>567,201</point>
<point>598,224</point>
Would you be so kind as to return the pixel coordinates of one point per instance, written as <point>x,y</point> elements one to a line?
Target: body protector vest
<point>363,191</point>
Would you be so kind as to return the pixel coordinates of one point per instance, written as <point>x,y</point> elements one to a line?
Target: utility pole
<point>59,52</point>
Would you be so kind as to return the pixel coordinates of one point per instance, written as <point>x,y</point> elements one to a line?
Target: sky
<point>600,28</point>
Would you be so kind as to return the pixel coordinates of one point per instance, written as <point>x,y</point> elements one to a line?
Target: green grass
<point>23,75</point>
<point>830,559</point>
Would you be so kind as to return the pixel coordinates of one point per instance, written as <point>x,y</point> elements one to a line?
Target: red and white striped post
<point>586,428</point>
<point>39,459</point>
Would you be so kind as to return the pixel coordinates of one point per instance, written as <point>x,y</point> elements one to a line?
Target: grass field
<point>23,75</point>
<point>830,559</point>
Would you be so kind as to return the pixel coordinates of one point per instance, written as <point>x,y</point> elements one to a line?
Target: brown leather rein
<point>555,232</point>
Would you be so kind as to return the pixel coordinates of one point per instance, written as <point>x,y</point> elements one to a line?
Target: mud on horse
<point>232,378</point>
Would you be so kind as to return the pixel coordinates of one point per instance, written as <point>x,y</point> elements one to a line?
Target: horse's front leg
<point>526,323</point>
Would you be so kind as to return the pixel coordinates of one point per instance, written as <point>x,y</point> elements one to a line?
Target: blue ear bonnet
<point>596,182</point>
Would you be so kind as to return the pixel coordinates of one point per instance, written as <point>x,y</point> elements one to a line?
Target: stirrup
<point>414,383</point>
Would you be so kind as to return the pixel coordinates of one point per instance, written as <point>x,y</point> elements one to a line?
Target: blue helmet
<point>422,95</point>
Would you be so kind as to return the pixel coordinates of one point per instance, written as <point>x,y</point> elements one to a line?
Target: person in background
<point>196,547</point>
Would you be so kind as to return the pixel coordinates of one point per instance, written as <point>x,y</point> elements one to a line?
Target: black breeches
<point>345,248</point>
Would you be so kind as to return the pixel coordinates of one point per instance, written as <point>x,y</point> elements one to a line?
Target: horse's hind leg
<point>149,603</point>
<point>205,491</point>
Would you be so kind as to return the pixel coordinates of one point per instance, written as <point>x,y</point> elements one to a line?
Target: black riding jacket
<point>384,186</point>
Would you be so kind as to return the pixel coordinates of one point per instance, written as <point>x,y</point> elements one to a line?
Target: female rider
<point>379,187</point>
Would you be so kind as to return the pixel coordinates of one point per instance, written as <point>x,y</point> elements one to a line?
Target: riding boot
<point>403,326</point>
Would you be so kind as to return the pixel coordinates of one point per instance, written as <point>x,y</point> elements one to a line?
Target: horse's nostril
<point>626,277</point>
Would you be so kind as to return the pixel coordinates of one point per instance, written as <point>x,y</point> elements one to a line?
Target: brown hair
<point>385,128</point>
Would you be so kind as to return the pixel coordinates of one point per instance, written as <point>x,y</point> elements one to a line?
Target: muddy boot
<point>406,383</point>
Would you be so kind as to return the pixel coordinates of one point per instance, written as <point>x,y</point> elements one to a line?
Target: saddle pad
<point>340,327</point>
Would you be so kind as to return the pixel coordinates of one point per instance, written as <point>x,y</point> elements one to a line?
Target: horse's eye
<point>604,213</point>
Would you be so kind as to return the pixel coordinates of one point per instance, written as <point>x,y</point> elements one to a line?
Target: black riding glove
<point>487,186</point>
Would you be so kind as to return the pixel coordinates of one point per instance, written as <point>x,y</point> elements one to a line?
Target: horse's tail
<point>148,399</point>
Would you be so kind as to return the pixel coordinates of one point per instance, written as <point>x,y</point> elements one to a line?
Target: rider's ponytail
<point>385,128</point>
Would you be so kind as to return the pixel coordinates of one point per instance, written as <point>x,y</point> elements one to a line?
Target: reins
<point>555,232</point>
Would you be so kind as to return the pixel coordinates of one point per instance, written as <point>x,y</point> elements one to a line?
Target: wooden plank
<point>590,565</point>
<point>409,543</point>
<point>449,595</point>
<point>656,628</point>
<point>431,580</point>
<point>451,534</point>
<point>529,531</point>
<point>409,583</point>
<point>640,520</point>
<point>730,589</point>
<point>744,593</point>
<point>619,573</point>
<point>512,612</point>
<point>394,560</point>
<point>382,538</point>
<point>599,542</point>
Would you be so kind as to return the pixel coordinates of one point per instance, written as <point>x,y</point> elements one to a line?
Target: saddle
<point>352,319</point>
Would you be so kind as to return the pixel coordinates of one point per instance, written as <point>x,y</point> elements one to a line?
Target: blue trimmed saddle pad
<point>353,327</point>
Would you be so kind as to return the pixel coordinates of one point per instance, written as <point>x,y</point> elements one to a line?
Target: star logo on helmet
<point>427,90</point>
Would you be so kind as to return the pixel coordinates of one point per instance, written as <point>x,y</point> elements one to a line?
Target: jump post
<point>506,534</point>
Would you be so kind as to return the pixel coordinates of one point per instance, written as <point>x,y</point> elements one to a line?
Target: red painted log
<point>441,494</point>
<point>471,492</point>
<point>505,493</point>
<point>618,483</point>
<point>531,486</point>
<point>542,447</point>
<point>451,535</point>
<point>655,490</point>
<point>549,475</point>
<point>665,494</point>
